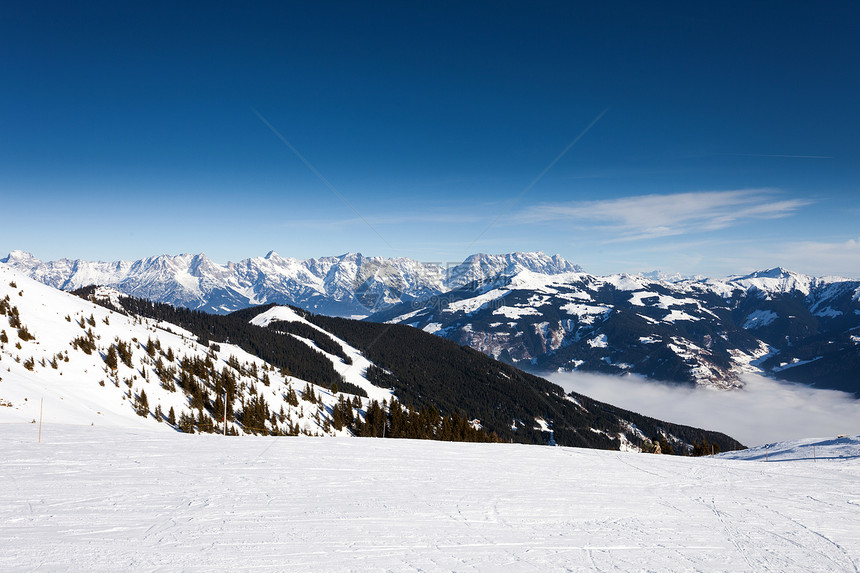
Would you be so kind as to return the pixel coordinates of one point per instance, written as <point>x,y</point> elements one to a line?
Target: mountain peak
<point>774,273</point>
<point>17,257</point>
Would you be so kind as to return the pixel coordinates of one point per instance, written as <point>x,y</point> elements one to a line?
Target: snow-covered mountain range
<point>346,285</point>
<point>706,331</point>
<point>275,370</point>
<point>532,310</point>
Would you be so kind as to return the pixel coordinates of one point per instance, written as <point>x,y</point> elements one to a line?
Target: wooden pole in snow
<point>225,413</point>
<point>41,403</point>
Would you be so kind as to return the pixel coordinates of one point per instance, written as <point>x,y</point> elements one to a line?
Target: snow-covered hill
<point>55,364</point>
<point>706,331</point>
<point>346,285</point>
<point>106,499</point>
<point>840,448</point>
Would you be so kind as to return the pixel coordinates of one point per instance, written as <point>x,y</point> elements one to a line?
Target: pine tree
<point>124,351</point>
<point>291,398</point>
<point>308,394</point>
<point>141,404</point>
<point>171,417</point>
<point>111,358</point>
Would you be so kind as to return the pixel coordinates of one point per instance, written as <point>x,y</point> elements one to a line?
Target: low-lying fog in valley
<point>764,411</point>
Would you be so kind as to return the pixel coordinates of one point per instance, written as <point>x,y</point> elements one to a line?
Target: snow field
<point>107,499</point>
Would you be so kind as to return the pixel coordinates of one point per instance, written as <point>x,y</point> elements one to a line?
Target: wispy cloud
<point>653,216</point>
<point>781,155</point>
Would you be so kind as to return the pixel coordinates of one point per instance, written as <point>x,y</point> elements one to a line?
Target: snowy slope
<point>104,499</point>
<point>841,448</point>
<point>352,373</point>
<point>82,389</point>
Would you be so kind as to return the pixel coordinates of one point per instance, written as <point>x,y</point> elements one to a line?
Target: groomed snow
<point>103,499</point>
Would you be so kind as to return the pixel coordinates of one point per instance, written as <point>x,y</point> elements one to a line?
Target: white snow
<point>624,282</point>
<point>599,341</point>
<point>473,304</point>
<point>587,313</point>
<point>279,313</point>
<point>107,499</point>
<point>808,450</point>
<point>675,315</point>
<point>661,300</point>
<point>516,312</point>
<point>794,362</point>
<point>828,312</point>
<point>759,318</point>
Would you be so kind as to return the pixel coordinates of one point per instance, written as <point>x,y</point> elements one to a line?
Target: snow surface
<point>473,304</point>
<point>599,341</point>
<point>675,315</point>
<point>809,450</point>
<point>515,312</point>
<point>759,318</point>
<point>108,499</point>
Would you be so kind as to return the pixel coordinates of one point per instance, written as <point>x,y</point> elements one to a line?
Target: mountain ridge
<point>698,331</point>
<point>345,285</point>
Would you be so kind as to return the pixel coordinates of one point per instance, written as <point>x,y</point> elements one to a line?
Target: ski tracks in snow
<point>100,500</point>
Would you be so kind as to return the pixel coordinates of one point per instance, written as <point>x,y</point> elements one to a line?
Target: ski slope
<point>95,498</point>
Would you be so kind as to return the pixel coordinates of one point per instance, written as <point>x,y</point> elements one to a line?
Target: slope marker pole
<point>225,413</point>
<point>41,404</point>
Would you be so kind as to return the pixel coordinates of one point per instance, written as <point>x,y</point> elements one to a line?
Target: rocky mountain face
<point>346,285</point>
<point>702,331</point>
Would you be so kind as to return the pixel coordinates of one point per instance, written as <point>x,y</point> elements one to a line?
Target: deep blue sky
<point>728,140</point>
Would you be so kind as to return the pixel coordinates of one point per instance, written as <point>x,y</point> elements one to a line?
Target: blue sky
<point>711,139</point>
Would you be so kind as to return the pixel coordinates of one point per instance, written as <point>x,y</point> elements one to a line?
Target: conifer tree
<point>141,404</point>
<point>111,358</point>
